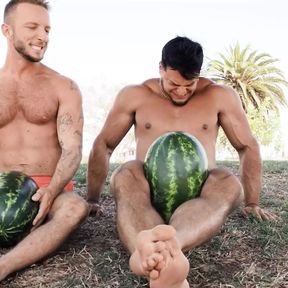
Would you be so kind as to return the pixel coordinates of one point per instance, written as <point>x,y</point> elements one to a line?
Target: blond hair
<point>12,4</point>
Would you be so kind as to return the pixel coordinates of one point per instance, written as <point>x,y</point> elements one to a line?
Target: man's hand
<point>44,196</point>
<point>95,208</point>
<point>260,213</point>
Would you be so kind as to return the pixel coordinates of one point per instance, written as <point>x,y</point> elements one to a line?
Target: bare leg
<point>195,222</point>
<point>134,210</point>
<point>198,220</point>
<point>67,212</point>
<point>153,246</point>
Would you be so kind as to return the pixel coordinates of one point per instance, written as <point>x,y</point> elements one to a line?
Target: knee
<point>128,175</point>
<point>76,210</point>
<point>225,183</point>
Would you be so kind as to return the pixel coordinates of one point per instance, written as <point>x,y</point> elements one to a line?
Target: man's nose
<point>43,35</point>
<point>181,90</point>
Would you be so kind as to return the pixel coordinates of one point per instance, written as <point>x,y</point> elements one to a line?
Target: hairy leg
<point>195,222</point>
<point>198,220</point>
<point>153,245</point>
<point>136,214</point>
<point>134,210</point>
<point>67,212</point>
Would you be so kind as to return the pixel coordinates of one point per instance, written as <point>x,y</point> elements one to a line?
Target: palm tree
<point>253,75</point>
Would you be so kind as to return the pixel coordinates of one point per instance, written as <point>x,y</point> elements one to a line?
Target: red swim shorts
<point>43,181</point>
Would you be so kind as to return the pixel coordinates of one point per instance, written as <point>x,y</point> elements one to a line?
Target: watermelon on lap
<point>176,167</point>
<point>17,210</point>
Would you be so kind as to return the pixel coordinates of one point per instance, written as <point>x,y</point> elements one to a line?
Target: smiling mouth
<point>37,48</point>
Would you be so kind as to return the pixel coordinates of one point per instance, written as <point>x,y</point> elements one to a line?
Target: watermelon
<point>17,210</point>
<point>175,167</point>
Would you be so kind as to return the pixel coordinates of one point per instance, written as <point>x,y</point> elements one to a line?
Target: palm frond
<point>254,75</point>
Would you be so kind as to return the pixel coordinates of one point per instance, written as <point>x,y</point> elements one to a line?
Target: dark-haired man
<point>41,124</point>
<point>179,100</point>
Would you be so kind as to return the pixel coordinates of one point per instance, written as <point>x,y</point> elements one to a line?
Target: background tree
<point>259,84</point>
<point>252,74</point>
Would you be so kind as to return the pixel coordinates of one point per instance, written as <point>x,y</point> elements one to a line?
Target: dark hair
<point>183,55</point>
<point>12,4</point>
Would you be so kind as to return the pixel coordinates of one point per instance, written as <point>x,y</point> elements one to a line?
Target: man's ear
<point>7,30</point>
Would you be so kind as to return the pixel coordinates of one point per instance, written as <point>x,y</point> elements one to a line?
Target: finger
<point>244,212</point>
<point>259,215</point>
<point>264,216</point>
<point>37,196</point>
<point>37,223</point>
<point>269,216</point>
<point>254,211</point>
<point>37,220</point>
<point>275,217</point>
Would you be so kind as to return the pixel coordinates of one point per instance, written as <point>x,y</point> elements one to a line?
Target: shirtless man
<point>40,132</point>
<point>179,100</point>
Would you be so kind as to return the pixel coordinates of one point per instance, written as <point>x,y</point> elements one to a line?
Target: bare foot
<point>175,270</point>
<point>151,251</point>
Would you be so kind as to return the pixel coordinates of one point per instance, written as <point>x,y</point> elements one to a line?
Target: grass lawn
<point>245,253</point>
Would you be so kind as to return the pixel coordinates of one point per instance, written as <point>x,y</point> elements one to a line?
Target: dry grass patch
<point>246,253</point>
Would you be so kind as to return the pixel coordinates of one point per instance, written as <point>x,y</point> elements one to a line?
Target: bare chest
<point>35,102</point>
<point>195,117</point>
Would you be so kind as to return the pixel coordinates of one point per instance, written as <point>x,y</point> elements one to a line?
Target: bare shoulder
<point>136,93</point>
<point>63,84</point>
<point>225,90</point>
<point>220,94</point>
<point>141,89</point>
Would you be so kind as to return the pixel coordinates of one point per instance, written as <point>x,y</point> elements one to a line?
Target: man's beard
<point>19,47</point>
<point>166,95</point>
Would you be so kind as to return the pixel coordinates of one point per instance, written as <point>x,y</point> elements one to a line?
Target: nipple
<point>147,125</point>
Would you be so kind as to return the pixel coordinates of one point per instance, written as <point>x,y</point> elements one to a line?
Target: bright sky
<point>120,41</point>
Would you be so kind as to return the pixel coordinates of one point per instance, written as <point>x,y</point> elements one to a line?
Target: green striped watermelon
<point>176,167</point>
<point>17,210</point>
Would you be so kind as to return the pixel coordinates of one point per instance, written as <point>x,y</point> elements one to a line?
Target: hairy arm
<point>69,130</point>
<point>119,120</point>
<point>235,125</point>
